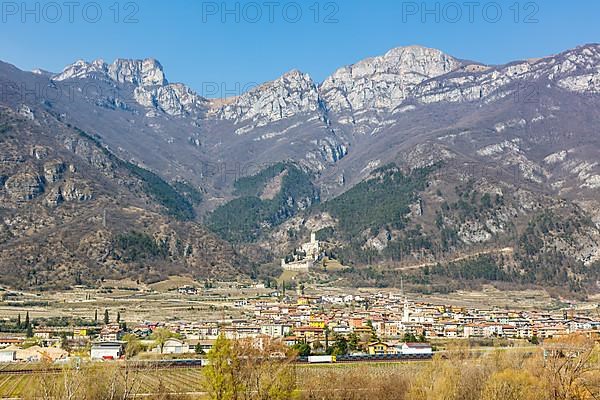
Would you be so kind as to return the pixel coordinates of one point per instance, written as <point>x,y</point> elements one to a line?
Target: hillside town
<point>334,324</point>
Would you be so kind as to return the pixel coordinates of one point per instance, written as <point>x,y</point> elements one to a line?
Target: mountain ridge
<point>524,131</point>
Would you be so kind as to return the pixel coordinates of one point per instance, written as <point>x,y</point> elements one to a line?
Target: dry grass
<point>173,283</point>
<point>357,381</point>
<point>334,265</point>
<point>287,276</point>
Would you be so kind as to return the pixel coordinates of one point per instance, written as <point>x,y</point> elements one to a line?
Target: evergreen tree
<point>303,349</point>
<point>96,317</point>
<point>409,338</point>
<point>19,321</point>
<point>353,342</point>
<point>28,327</point>
<point>339,347</point>
<point>64,342</point>
<point>106,318</point>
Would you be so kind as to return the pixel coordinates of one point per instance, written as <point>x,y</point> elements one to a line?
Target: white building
<point>7,355</point>
<point>275,330</point>
<point>107,350</point>
<point>416,349</point>
<point>174,346</point>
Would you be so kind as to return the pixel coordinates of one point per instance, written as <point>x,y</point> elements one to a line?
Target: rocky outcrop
<point>146,72</point>
<point>328,150</point>
<point>68,191</point>
<point>173,99</point>
<point>72,191</point>
<point>92,154</point>
<point>53,171</point>
<point>24,186</point>
<point>39,152</point>
<point>292,94</point>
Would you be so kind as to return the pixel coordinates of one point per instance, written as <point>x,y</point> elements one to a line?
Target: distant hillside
<point>265,201</point>
<point>75,214</point>
<point>442,234</point>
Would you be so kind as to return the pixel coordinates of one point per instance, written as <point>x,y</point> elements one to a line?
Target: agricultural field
<point>174,380</point>
<point>180,380</point>
<point>188,381</point>
<point>160,302</point>
<point>487,297</point>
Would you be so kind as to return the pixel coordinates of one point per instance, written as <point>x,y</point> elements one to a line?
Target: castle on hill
<point>304,257</point>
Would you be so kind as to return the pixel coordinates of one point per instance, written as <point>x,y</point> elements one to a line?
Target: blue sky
<point>236,44</point>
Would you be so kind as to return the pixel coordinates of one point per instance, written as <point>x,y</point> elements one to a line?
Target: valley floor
<point>163,302</point>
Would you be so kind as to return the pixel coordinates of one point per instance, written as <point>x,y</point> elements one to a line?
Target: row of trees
<point>18,325</point>
<point>106,318</point>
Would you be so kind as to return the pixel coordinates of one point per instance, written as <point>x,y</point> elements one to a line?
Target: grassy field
<point>173,283</point>
<point>287,276</point>
<point>333,265</point>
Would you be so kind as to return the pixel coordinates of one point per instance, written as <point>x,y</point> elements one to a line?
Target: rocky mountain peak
<point>589,51</point>
<point>150,86</point>
<point>384,82</point>
<point>418,59</point>
<point>295,75</point>
<point>575,70</point>
<point>82,69</point>
<point>359,95</point>
<point>148,72</point>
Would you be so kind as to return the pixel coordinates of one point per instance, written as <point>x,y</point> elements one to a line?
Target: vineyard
<point>179,380</point>
<point>174,380</point>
